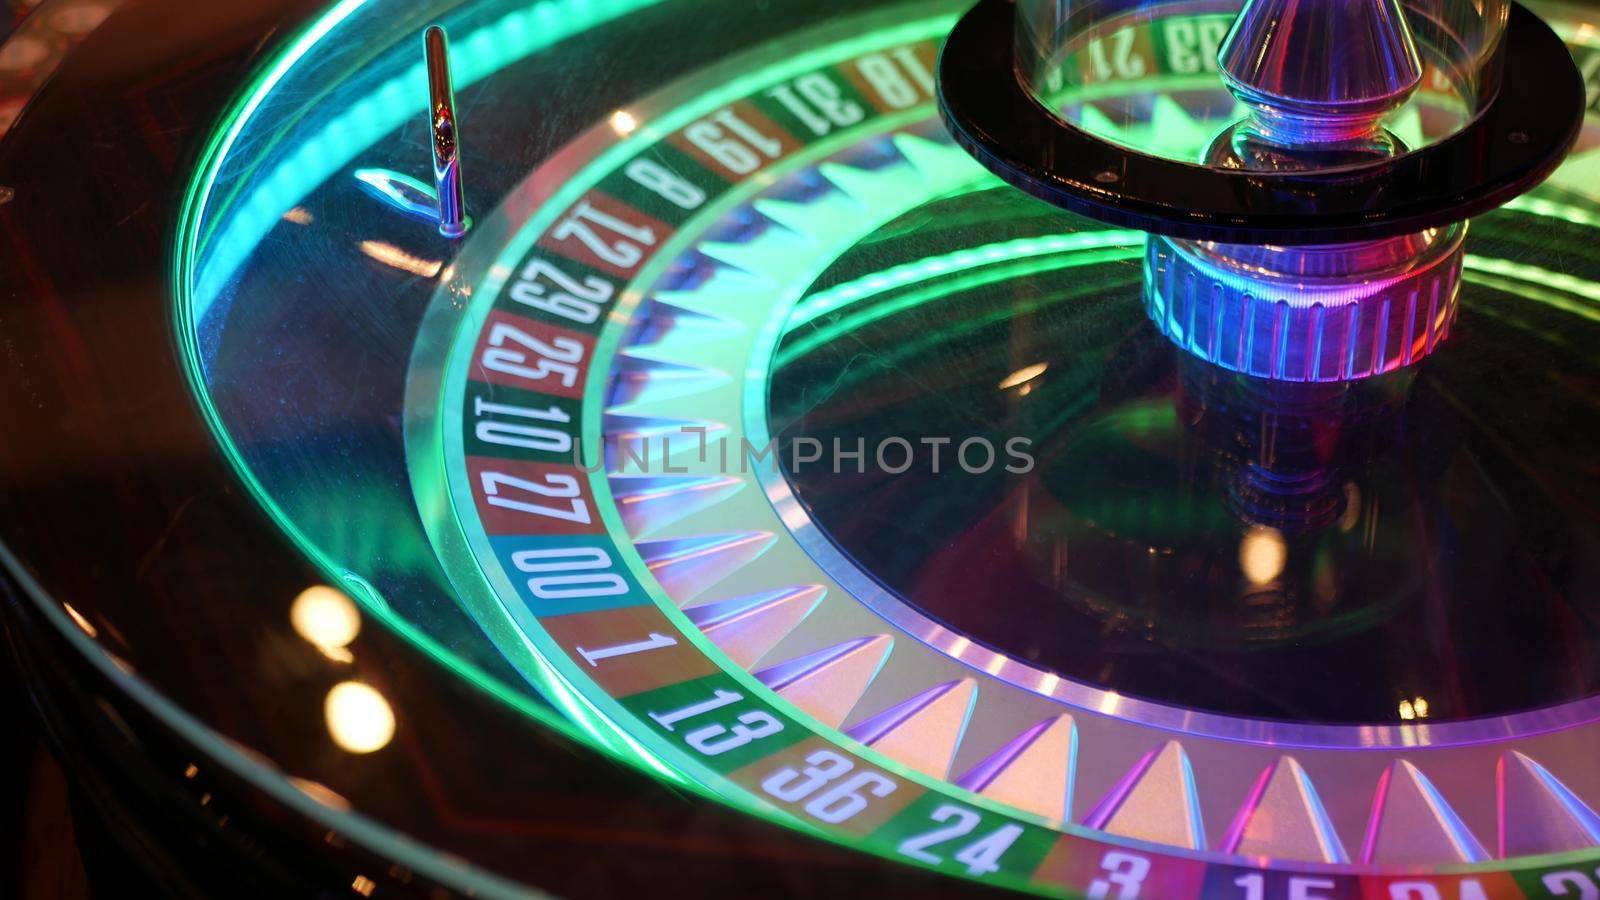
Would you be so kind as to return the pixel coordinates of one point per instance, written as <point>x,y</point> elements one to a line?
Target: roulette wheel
<point>506,447</point>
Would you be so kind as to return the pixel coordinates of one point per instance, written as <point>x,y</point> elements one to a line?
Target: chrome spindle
<point>446,135</point>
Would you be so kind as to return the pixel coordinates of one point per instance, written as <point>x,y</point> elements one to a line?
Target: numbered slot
<point>719,724</point>
<point>736,141</point>
<point>607,235</point>
<point>544,288</point>
<point>542,429</point>
<point>532,498</point>
<point>980,856</point>
<point>819,103</point>
<point>555,495</point>
<point>1574,883</point>
<point>895,79</point>
<point>569,573</point>
<point>828,787</point>
<point>1192,43</point>
<point>532,356</point>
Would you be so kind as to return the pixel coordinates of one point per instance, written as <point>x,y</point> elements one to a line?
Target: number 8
<point>658,178</point>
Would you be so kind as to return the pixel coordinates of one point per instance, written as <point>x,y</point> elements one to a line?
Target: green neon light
<point>479,54</point>
<point>672,120</point>
<point>954,282</point>
<point>1129,245</point>
<point>246,232</point>
<point>1555,281</point>
<point>1551,209</point>
<point>599,720</point>
<point>514,36</point>
<point>821,304</point>
<point>285,187</point>
<point>547,677</point>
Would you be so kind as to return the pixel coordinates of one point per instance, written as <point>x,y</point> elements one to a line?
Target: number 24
<point>980,857</point>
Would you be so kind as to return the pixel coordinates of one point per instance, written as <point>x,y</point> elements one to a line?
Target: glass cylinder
<point>1174,78</point>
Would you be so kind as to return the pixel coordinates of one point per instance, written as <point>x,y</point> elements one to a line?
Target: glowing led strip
<point>303,172</point>
<point>833,299</point>
<point>479,54</point>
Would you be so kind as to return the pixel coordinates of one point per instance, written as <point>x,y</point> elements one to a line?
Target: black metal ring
<point>1506,150</point>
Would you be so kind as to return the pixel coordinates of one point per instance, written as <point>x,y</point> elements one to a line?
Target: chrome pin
<point>446,136</point>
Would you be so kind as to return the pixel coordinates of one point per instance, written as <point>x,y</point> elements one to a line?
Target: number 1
<point>654,642</point>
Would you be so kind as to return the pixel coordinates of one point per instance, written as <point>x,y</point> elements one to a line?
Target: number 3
<point>1125,872</point>
<point>753,725</point>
